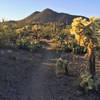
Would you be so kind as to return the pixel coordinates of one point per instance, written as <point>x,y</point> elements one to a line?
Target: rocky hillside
<point>49,15</point>
<point>46,16</point>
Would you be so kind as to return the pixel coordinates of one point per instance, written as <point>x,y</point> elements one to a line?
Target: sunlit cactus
<point>61,66</point>
<point>87,34</point>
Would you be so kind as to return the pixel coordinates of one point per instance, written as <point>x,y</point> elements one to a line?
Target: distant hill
<point>49,15</point>
<point>46,16</point>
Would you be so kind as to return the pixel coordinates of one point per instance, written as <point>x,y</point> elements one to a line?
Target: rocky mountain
<point>46,16</point>
<point>49,15</point>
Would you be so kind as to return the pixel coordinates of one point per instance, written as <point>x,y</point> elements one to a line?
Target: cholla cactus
<point>61,66</point>
<point>87,34</point>
<point>65,65</point>
<point>86,81</point>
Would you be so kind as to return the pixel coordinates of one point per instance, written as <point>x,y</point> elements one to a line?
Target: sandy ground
<point>31,76</point>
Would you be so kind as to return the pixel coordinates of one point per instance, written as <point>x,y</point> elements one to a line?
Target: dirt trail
<point>25,75</point>
<point>31,76</point>
<point>41,76</point>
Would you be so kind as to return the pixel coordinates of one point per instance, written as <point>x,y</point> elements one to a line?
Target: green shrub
<point>28,43</point>
<point>7,38</point>
<point>45,35</point>
<point>70,47</point>
<point>63,47</point>
<point>60,37</point>
<point>79,50</point>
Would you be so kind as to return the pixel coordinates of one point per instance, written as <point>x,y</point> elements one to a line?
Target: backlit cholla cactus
<point>61,66</point>
<point>87,34</point>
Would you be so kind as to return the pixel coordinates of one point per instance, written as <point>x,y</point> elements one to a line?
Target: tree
<point>87,34</point>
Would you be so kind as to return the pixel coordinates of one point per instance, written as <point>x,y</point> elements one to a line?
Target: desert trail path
<point>25,75</point>
<point>31,76</point>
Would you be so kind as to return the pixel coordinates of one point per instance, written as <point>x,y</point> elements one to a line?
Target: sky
<point>19,9</point>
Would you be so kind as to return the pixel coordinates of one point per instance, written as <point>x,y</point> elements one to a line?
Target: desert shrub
<point>63,47</point>
<point>45,36</point>
<point>67,47</point>
<point>87,82</point>
<point>79,50</point>
<point>73,44</point>
<point>60,37</point>
<point>7,38</point>
<point>70,47</point>
<point>28,43</point>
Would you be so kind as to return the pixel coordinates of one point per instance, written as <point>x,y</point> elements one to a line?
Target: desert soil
<point>31,76</point>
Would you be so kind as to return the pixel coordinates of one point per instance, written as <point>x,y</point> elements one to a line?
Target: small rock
<point>9,51</point>
<point>78,93</point>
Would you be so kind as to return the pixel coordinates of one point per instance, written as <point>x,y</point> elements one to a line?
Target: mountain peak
<point>36,12</point>
<point>48,15</point>
<point>48,9</point>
